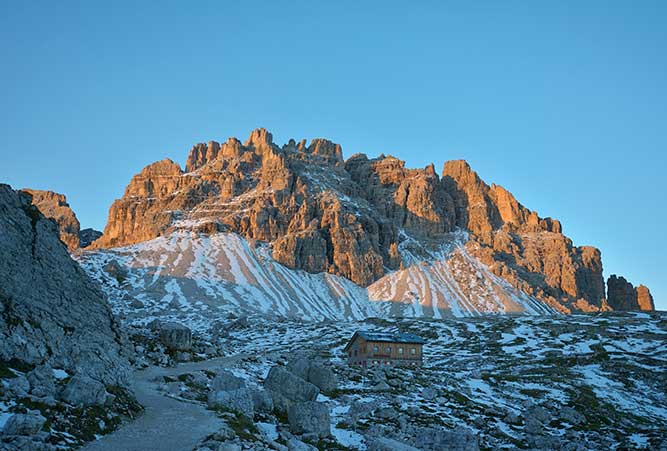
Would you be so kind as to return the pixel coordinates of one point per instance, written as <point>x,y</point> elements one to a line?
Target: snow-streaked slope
<point>196,278</point>
<point>448,281</point>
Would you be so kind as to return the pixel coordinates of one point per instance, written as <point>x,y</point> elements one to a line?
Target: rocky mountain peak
<point>200,154</point>
<point>644,298</point>
<point>258,138</point>
<point>460,171</point>
<point>622,295</point>
<point>327,149</point>
<point>351,218</point>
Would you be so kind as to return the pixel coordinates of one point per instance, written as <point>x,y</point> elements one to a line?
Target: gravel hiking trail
<point>166,424</point>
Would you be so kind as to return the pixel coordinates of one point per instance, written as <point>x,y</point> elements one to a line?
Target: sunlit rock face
<point>55,206</point>
<point>362,219</point>
<point>622,295</point>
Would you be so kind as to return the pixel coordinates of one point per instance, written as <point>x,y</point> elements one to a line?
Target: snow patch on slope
<point>448,281</point>
<point>195,277</point>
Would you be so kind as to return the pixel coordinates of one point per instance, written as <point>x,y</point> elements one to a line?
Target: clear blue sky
<point>564,103</point>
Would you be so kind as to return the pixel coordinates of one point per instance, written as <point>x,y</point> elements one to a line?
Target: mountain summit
<point>409,236</point>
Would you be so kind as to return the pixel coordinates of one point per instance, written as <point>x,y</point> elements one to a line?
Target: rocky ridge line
<point>349,217</point>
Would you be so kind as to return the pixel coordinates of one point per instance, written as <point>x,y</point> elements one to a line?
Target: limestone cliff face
<point>55,206</point>
<point>51,312</point>
<point>351,218</point>
<point>622,295</point>
<point>528,251</point>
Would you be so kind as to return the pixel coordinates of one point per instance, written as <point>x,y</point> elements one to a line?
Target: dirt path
<point>166,424</point>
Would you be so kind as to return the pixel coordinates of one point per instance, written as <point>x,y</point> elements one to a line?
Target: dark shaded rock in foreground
<point>51,312</point>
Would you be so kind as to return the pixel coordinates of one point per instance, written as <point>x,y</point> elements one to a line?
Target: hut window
<point>376,349</point>
<point>413,351</point>
<point>355,352</point>
<point>388,349</point>
<point>400,350</point>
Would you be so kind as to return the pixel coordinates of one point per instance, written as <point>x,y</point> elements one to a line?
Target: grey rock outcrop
<point>42,382</point>
<point>440,439</point>
<point>51,312</point>
<point>24,424</point>
<point>322,377</point>
<point>287,389</point>
<point>175,336</point>
<point>388,444</point>
<point>315,372</point>
<point>262,401</point>
<point>239,400</point>
<point>84,391</point>
<point>232,393</point>
<point>226,381</point>
<point>294,444</point>
<point>87,236</point>
<point>309,417</point>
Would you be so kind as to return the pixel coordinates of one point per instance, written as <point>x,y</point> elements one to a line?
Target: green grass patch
<point>243,426</point>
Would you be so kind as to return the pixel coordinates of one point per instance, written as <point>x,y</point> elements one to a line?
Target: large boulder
<point>322,377</point>
<point>17,387</point>
<point>175,336</point>
<point>287,389</point>
<point>239,400</point>
<point>440,439</point>
<point>387,444</point>
<point>24,424</point>
<point>225,381</point>
<point>299,366</point>
<point>294,444</point>
<point>84,391</point>
<point>309,417</point>
<point>231,392</point>
<point>262,401</point>
<point>42,382</point>
<point>314,372</point>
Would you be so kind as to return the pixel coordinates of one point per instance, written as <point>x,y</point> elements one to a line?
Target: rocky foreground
<point>563,383</point>
<point>579,382</point>
<point>64,360</point>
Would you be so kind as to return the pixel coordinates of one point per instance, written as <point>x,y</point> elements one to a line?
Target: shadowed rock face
<point>322,214</point>
<point>51,312</point>
<point>87,236</point>
<point>622,295</point>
